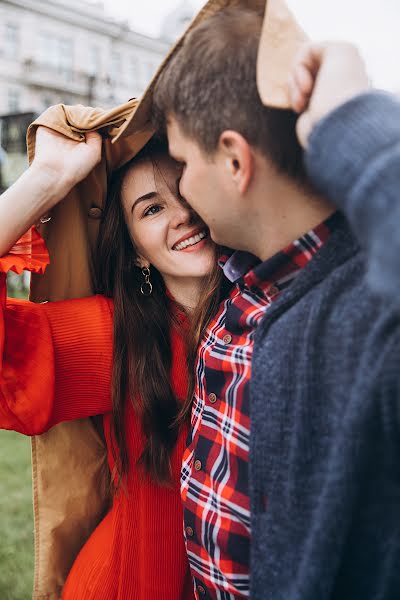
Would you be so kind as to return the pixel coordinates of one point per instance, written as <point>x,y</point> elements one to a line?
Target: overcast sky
<point>374,25</point>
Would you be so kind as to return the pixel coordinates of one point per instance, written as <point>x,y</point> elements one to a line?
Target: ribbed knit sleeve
<point>56,362</point>
<point>354,159</point>
<point>56,358</point>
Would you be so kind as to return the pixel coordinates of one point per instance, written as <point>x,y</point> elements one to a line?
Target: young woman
<point>120,354</point>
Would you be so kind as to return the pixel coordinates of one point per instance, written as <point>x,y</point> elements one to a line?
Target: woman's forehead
<point>152,174</point>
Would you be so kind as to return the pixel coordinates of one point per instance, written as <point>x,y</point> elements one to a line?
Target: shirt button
<point>197,465</point>
<point>212,398</point>
<point>201,590</point>
<point>227,339</point>
<point>273,290</point>
<point>189,532</point>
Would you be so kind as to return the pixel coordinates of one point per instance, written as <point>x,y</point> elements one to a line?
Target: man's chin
<point>216,237</point>
<point>222,238</point>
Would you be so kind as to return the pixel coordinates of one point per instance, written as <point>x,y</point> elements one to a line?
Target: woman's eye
<point>152,210</point>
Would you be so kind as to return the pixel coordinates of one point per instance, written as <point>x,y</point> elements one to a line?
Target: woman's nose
<point>182,214</point>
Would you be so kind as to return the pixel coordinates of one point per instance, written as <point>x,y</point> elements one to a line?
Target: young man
<point>293,455</point>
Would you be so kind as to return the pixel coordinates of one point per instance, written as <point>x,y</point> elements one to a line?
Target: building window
<point>65,58</point>
<point>134,75</point>
<point>13,100</point>
<point>11,40</point>
<point>47,101</point>
<point>45,47</point>
<point>115,74</point>
<point>94,61</point>
<point>56,53</point>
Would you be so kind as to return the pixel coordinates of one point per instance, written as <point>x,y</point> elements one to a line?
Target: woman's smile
<point>192,241</point>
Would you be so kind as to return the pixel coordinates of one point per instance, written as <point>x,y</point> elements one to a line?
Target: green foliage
<point>16,519</point>
<point>18,285</point>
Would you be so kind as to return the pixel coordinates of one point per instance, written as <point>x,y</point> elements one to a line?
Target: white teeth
<point>195,239</point>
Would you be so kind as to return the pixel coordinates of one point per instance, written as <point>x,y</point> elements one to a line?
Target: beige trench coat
<point>69,462</point>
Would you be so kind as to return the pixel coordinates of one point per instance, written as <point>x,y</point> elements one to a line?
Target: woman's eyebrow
<point>143,198</point>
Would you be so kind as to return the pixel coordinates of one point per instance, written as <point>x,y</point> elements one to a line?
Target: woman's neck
<point>185,291</point>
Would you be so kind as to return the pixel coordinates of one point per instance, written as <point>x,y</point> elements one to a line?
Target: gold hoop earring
<point>146,288</point>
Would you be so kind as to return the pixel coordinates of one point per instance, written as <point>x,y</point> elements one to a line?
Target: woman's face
<point>165,231</point>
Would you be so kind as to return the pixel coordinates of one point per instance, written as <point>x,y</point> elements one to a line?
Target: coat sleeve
<point>56,359</point>
<point>354,159</point>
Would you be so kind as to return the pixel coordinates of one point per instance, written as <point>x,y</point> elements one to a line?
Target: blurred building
<point>69,51</point>
<point>178,19</point>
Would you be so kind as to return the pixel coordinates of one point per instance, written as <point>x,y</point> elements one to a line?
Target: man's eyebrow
<point>143,198</point>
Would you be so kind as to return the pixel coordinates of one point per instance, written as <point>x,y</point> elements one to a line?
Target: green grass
<point>16,521</point>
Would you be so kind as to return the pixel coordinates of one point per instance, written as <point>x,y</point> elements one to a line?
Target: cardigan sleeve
<point>354,159</point>
<point>56,358</point>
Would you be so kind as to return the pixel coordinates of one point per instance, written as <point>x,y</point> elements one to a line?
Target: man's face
<point>205,184</point>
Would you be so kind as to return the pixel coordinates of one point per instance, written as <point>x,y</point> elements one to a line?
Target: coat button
<point>201,590</point>
<point>212,398</point>
<point>95,213</point>
<point>227,339</point>
<point>197,465</point>
<point>189,531</point>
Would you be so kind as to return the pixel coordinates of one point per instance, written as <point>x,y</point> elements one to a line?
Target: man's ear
<point>238,157</point>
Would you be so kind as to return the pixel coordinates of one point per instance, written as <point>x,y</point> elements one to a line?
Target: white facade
<point>68,51</point>
<point>176,22</point>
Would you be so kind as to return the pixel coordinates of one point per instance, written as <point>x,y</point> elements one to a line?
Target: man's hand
<point>323,77</point>
<point>62,162</point>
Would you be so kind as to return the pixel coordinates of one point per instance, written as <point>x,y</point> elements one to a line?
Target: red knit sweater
<point>56,366</point>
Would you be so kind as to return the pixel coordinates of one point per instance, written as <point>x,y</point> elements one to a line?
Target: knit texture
<point>56,366</point>
<point>324,455</point>
<point>349,150</point>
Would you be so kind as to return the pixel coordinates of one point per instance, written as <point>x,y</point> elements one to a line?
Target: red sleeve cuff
<point>28,254</point>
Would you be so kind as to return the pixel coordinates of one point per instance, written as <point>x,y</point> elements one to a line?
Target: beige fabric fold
<point>281,39</point>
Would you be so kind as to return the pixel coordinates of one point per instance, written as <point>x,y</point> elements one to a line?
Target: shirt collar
<point>277,272</point>
<point>235,264</point>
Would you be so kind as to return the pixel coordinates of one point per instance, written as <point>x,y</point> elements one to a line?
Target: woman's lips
<point>191,239</point>
<point>199,246</point>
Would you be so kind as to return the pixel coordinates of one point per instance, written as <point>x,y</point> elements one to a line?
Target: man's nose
<point>182,185</point>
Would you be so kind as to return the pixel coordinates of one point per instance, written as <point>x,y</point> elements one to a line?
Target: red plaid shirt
<point>214,480</point>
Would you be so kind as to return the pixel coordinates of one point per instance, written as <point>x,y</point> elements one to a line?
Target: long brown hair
<point>142,349</point>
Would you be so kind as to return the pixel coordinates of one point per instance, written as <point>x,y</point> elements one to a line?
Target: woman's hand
<point>323,77</point>
<point>59,164</point>
<point>63,162</point>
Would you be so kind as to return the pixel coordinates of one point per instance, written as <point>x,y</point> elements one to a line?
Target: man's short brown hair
<point>209,86</point>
